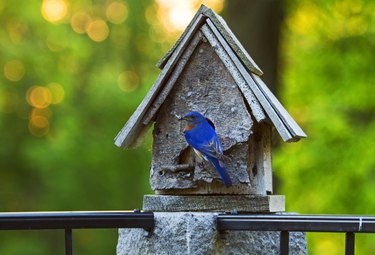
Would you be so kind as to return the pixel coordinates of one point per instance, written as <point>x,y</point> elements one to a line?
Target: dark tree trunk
<point>257,24</point>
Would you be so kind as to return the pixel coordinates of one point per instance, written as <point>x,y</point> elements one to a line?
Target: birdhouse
<point>210,72</point>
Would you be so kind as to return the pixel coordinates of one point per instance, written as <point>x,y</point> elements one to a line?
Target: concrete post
<point>194,233</point>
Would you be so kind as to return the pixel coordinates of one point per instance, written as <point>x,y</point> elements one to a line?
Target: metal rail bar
<point>300,223</point>
<point>76,220</point>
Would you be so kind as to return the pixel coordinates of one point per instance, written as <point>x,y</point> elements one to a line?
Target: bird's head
<point>193,118</point>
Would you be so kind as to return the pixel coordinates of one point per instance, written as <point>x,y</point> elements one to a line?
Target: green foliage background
<point>328,83</point>
<point>328,86</point>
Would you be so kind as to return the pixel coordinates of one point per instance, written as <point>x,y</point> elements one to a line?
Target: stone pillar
<point>194,233</point>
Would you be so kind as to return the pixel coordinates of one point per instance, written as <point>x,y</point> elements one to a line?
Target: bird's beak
<point>179,117</point>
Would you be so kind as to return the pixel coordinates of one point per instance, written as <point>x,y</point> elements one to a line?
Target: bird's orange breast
<point>189,127</point>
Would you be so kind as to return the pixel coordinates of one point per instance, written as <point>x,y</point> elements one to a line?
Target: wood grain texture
<point>261,170</point>
<point>218,203</point>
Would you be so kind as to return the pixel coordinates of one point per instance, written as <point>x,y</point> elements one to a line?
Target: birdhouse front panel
<point>206,86</point>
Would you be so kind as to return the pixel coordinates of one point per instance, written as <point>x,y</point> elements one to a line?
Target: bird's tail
<point>222,172</point>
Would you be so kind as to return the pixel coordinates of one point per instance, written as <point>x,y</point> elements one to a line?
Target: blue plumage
<point>201,135</point>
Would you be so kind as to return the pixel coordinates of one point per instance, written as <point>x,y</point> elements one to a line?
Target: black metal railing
<point>76,220</point>
<point>283,223</point>
<point>299,223</point>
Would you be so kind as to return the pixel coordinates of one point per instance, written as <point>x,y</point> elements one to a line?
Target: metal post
<point>284,243</point>
<point>68,242</point>
<point>349,243</point>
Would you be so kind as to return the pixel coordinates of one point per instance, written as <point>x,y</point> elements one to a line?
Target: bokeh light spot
<point>14,70</point>
<point>54,10</point>
<point>45,112</point>
<point>98,30</point>
<point>80,22</point>
<point>176,15</point>
<point>128,81</point>
<point>39,121</point>
<point>39,97</point>
<point>39,126</point>
<point>57,91</point>
<point>116,12</point>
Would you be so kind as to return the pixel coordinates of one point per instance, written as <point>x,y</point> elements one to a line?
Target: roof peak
<point>200,16</point>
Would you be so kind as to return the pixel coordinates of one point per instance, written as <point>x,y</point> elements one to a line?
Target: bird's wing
<point>200,154</point>
<point>206,144</point>
<point>212,149</point>
<point>218,153</point>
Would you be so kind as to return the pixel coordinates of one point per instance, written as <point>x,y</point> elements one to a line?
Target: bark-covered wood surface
<point>205,86</point>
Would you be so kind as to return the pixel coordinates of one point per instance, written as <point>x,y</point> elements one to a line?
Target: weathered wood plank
<point>172,78</point>
<point>257,110</point>
<point>275,119</point>
<point>290,123</point>
<point>260,163</point>
<point>219,203</point>
<point>267,156</point>
<point>128,135</point>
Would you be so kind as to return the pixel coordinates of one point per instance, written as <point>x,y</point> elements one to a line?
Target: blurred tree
<point>257,24</point>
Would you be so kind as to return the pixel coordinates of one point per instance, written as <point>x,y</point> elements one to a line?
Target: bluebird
<point>200,134</point>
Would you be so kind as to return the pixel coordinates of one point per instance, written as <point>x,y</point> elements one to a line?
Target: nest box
<point>209,71</point>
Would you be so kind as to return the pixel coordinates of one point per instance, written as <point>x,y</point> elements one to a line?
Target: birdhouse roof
<point>207,25</point>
